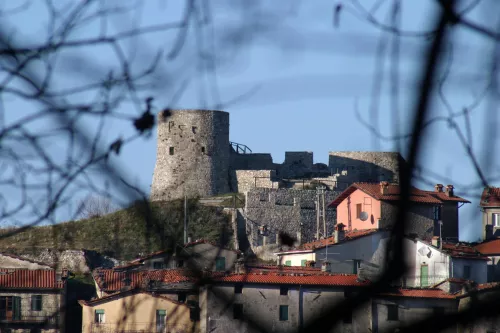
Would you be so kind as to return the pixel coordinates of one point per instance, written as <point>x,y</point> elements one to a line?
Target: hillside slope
<point>127,233</point>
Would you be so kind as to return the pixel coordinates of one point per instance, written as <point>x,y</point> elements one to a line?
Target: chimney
<point>326,267</point>
<point>190,239</point>
<point>449,190</point>
<point>339,233</point>
<point>239,266</point>
<point>384,187</point>
<point>435,241</point>
<point>439,187</point>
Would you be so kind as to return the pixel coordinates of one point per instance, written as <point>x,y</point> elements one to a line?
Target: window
<point>283,312</point>
<point>36,302</point>
<point>466,272</point>
<point>158,265</point>
<point>194,128</point>
<point>194,310</point>
<point>180,263</point>
<point>283,291</point>
<point>303,262</point>
<point>161,320</point>
<point>181,297</point>
<point>437,213</point>
<point>237,311</point>
<point>238,289</point>
<point>288,263</point>
<point>491,273</point>
<point>392,312</point>
<point>220,264</point>
<point>10,307</point>
<point>356,264</point>
<point>359,209</point>
<point>171,150</point>
<point>495,219</point>
<point>203,149</point>
<point>100,317</point>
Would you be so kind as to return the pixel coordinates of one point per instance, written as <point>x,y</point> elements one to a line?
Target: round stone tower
<point>193,154</point>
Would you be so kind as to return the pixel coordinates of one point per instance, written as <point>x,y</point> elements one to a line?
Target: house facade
<point>428,264</point>
<point>136,311</point>
<point>32,299</point>
<point>490,208</point>
<point>370,205</point>
<point>345,251</point>
<point>491,248</point>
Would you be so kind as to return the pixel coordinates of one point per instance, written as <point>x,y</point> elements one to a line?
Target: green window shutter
<point>162,312</point>
<point>424,276</point>
<point>220,264</point>
<point>16,308</point>
<point>283,312</point>
<point>99,311</point>
<point>288,263</point>
<point>303,262</point>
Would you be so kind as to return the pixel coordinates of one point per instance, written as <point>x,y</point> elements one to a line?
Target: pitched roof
<point>325,279</point>
<point>392,194</point>
<point>29,279</point>
<point>419,293</point>
<point>490,197</point>
<point>349,236</point>
<point>112,280</point>
<point>464,251</point>
<point>489,247</point>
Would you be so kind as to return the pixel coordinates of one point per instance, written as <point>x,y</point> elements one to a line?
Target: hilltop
<point>126,233</point>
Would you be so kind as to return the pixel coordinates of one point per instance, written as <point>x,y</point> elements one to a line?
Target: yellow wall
<point>138,312</point>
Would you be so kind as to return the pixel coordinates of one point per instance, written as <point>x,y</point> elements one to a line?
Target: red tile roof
<point>325,279</point>
<point>490,197</point>
<point>111,280</point>
<point>465,251</point>
<point>488,286</point>
<point>349,235</point>
<point>489,247</point>
<point>420,293</point>
<point>29,279</point>
<point>392,194</point>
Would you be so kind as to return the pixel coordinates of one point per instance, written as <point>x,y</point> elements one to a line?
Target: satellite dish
<point>363,216</point>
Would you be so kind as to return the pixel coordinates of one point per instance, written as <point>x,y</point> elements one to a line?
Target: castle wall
<point>193,154</point>
<point>248,179</point>
<point>364,166</point>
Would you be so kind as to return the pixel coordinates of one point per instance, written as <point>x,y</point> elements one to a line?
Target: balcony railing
<point>138,328</point>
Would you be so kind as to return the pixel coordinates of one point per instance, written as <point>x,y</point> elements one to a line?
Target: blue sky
<point>302,80</point>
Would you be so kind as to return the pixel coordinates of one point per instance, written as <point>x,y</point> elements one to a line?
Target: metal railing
<point>240,148</point>
<point>49,320</point>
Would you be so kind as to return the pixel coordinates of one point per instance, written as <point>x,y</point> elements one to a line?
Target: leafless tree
<point>93,206</point>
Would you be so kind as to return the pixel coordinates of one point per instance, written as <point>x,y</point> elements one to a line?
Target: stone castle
<point>195,158</point>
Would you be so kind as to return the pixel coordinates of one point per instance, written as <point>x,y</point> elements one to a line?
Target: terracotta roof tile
<point>465,251</point>
<point>119,294</point>
<point>325,279</point>
<point>392,194</point>
<point>490,197</point>
<point>111,280</point>
<point>29,279</point>
<point>420,293</point>
<point>488,286</point>
<point>349,235</point>
<point>489,247</point>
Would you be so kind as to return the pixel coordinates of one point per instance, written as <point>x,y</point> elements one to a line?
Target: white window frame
<point>495,220</point>
<point>100,318</point>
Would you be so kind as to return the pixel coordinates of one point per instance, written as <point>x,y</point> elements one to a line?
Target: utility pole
<point>185,220</point>
<point>324,211</point>
<point>317,216</point>
<point>320,208</point>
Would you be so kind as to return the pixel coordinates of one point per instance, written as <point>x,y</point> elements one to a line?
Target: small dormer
<point>490,207</point>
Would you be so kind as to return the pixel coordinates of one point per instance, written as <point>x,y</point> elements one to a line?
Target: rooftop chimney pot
<point>439,187</point>
<point>449,190</point>
<point>384,186</point>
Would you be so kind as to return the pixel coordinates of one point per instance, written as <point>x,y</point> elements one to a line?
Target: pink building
<point>374,205</point>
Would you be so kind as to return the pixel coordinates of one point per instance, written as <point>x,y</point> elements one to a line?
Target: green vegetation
<point>127,233</point>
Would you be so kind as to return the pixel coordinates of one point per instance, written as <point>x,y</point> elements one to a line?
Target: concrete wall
<point>348,208</point>
<point>438,263</point>
<point>138,312</point>
<point>199,162</point>
<point>410,310</point>
<point>296,258</point>
<point>261,303</point>
<point>52,303</point>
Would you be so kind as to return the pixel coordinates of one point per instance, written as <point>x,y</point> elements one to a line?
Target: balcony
<point>49,320</point>
<point>138,328</point>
